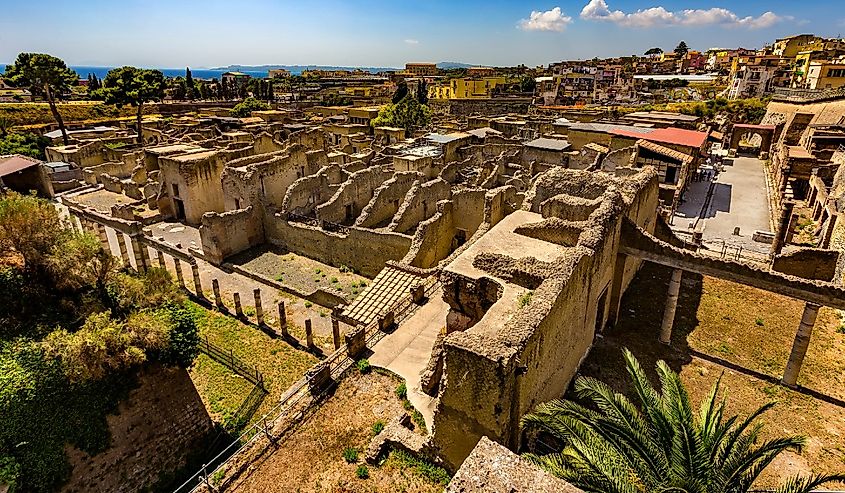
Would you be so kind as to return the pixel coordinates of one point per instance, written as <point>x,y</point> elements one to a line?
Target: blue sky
<point>209,33</point>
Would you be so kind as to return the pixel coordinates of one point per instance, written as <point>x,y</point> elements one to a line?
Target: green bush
<point>350,455</point>
<point>378,426</point>
<point>363,365</point>
<point>27,144</point>
<point>363,472</point>
<point>402,391</point>
<point>247,106</point>
<point>418,420</point>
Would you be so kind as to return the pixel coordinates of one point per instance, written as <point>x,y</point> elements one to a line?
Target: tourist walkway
<point>738,199</point>
<point>407,350</point>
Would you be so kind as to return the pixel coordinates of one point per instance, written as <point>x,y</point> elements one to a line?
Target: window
<point>836,72</point>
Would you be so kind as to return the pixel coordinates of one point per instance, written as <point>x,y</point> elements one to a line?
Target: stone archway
<point>756,138</point>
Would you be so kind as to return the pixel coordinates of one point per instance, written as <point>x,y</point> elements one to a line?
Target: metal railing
<point>230,361</point>
<point>298,395</point>
<point>806,95</point>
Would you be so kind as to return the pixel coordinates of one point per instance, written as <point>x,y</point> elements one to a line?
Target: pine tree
<point>189,84</point>
<point>270,95</point>
<point>682,49</point>
<point>422,92</point>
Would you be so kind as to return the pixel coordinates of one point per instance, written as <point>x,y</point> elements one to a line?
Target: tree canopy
<point>653,52</point>
<point>131,86</point>
<point>682,49</point>
<point>659,444</point>
<point>247,106</point>
<point>408,113</point>
<point>43,75</point>
<point>73,352</point>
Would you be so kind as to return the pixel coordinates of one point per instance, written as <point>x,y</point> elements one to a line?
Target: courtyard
<point>743,335</point>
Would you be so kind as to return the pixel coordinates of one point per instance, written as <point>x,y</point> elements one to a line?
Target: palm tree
<point>658,445</point>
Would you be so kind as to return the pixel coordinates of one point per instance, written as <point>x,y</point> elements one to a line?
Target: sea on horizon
<point>198,73</point>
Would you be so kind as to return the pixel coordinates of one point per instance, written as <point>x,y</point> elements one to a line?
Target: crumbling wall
<point>352,196</point>
<point>306,193</point>
<point>434,238</point>
<point>387,199</point>
<point>224,234</point>
<point>419,204</point>
<point>156,429</point>
<point>119,169</point>
<point>364,250</point>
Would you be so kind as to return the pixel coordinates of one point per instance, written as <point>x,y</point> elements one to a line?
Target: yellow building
<point>826,75</point>
<point>465,88</point>
<point>421,69</point>
<point>790,46</point>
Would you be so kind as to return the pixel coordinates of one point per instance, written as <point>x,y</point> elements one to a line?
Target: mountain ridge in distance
<point>299,68</point>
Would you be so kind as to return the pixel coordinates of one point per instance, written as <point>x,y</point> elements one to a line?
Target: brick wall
<point>153,432</point>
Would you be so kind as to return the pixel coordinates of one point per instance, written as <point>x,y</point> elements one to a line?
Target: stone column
<point>671,306</point>
<point>800,344</point>
<point>177,265</point>
<point>309,334</point>
<point>215,286</point>
<point>138,251</point>
<point>616,289</point>
<point>259,311</point>
<point>104,238</point>
<point>283,319</point>
<point>121,244</point>
<point>161,259</point>
<point>783,228</point>
<point>335,330</point>
<point>239,311</point>
<point>195,271</point>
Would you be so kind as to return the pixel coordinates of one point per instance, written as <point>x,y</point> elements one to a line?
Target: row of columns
<point>799,345</point>
<point>142,261</point>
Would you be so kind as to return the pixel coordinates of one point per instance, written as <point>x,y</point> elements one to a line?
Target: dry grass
<point>744,334</point>
<point>311,458</point>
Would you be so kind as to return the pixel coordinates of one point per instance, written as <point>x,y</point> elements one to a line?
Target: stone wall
<point>465,107</point>
<point>224,234</point>
<point>499,369</point>
<point>387,198</point>
<point>492,468</point>
<point>364,250</point>
<point>353,195</point>
<point>419,204</point>
<point>154,432</point>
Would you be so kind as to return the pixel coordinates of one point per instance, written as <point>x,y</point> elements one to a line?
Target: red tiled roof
<point>677,136</point>
<point>14,163</point>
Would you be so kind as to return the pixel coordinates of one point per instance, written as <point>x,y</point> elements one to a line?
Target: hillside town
<point>442,277</point>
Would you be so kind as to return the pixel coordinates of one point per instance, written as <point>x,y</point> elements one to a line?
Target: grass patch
<point>524,299</point>
<point>350,455</point>
<point>426,470</point>
<point>378,426</point>
<point>402,391</point>
<point>221,390</point>
<point>363,472</point>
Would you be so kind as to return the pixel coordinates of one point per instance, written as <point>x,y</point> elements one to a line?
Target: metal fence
<point>228,359</point>
<point>806,95</point>
<point>299,397</point>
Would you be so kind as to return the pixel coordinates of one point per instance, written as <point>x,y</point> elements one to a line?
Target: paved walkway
<point>738,199</point>
<point>407,350</point>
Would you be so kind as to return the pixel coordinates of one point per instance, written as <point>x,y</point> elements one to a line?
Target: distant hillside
<point>448,65</point>
<point>297,69</point>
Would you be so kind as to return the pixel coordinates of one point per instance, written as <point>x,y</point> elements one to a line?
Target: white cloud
<point>412,41</point>
<point>550,20</point>
<point>660,17</point>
